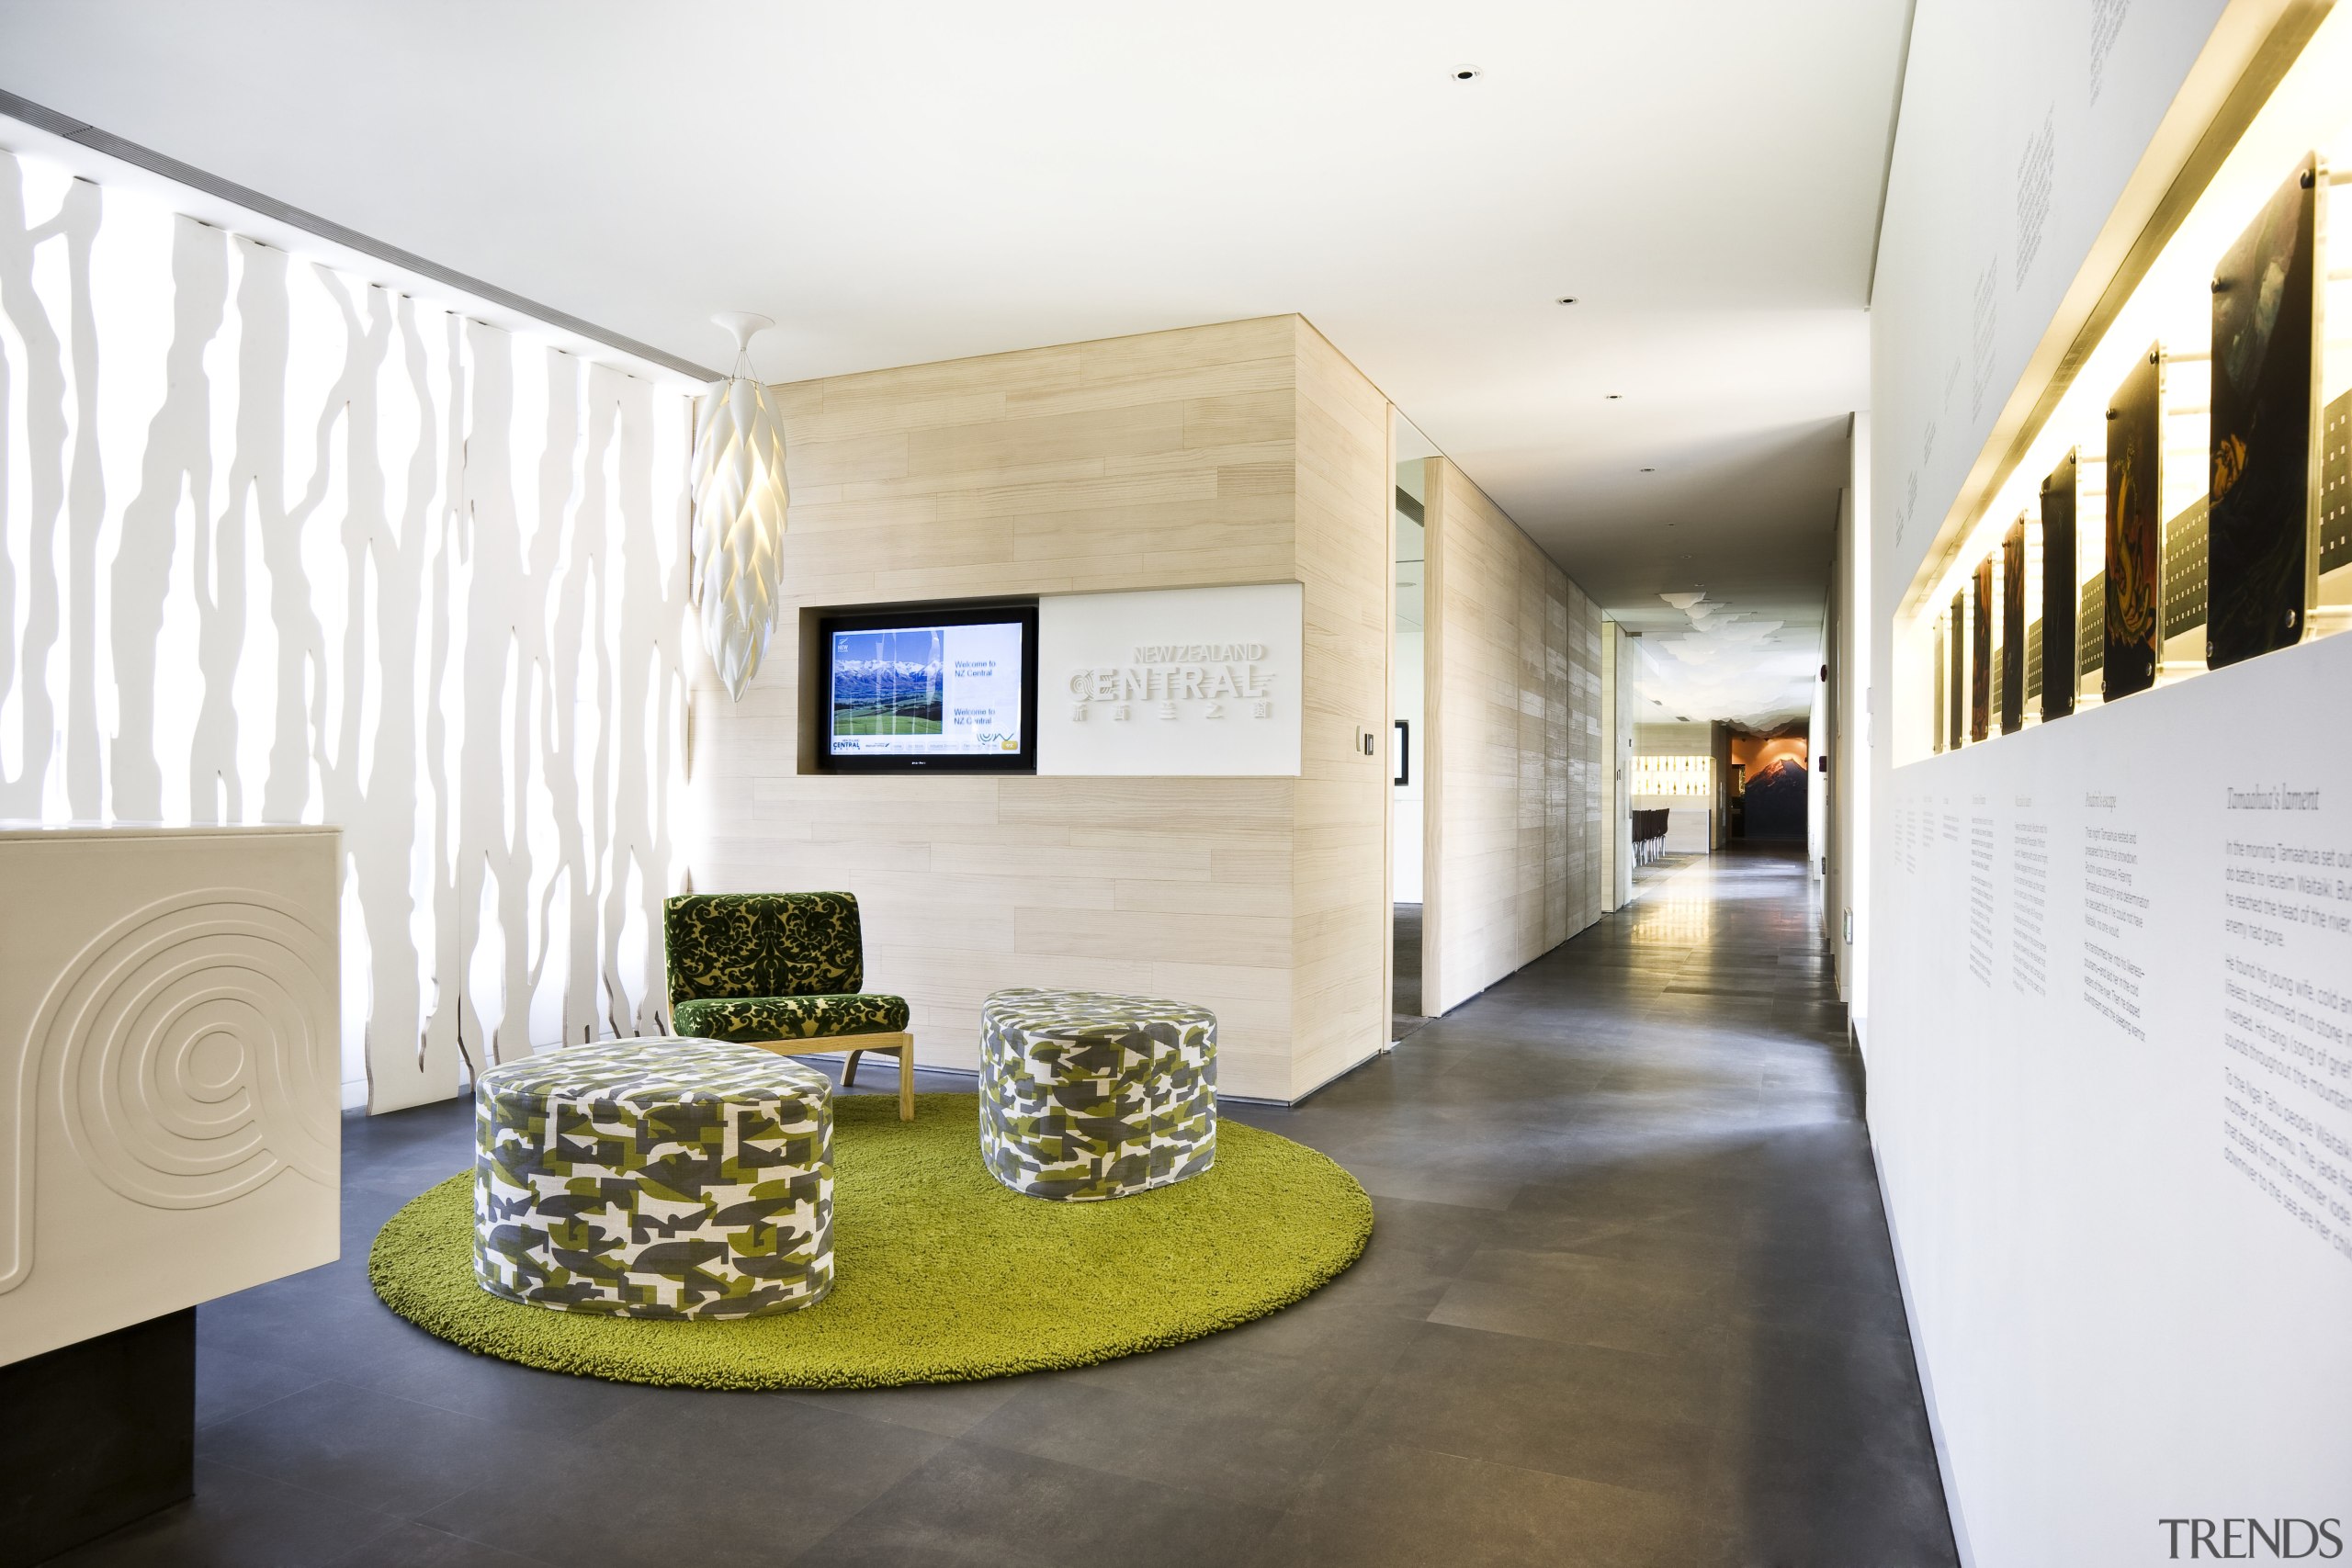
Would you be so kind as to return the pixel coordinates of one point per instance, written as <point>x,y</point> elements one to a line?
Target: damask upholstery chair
<point>782,970</point>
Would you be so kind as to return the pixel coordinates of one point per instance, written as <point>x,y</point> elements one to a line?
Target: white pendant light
<point>739,514</point>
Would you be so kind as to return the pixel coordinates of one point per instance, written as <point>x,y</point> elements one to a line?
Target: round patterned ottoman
<point>655,1178</point>
<point>1085,1095</point>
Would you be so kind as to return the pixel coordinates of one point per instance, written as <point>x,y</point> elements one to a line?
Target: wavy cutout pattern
<point>282,546</point>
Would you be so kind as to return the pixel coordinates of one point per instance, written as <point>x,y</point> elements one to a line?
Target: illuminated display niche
<point>1693,777</point>
<point>2163,520</point>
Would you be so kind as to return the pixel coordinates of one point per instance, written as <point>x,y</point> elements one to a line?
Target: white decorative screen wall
<point>282,546</point>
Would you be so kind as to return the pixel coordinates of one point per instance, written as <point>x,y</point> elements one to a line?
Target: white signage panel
<point>1177,681</point>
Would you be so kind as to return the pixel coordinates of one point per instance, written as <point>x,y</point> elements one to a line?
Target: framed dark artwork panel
<point>2058,589</point>
<point>2134,529</point>
<point>2013,629</point>
<point>1957,687</point>
<point>2261,572</point>
<point>1980,655</point>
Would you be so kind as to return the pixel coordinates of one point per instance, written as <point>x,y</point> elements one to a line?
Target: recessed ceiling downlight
<point>1465,73</point>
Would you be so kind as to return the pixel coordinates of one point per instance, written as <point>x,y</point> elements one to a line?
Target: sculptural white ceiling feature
<point>1732,664</point>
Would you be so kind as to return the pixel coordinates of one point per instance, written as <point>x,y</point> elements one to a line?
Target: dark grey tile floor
<point>1629,1301</point>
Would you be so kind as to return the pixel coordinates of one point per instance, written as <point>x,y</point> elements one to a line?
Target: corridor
<point>1630,1301</point>
<point>1628,1198</point>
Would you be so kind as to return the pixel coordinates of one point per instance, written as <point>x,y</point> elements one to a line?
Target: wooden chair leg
<point>904,1044</point>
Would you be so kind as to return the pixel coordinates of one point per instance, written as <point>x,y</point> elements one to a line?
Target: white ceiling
<point>903,183</point>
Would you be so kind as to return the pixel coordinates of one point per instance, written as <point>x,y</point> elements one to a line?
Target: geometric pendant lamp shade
<point>739,517</point>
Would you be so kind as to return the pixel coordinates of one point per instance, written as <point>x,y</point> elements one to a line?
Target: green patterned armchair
<point>782,970</point>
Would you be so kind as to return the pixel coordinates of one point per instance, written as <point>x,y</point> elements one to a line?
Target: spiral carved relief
<point>190,1048</point>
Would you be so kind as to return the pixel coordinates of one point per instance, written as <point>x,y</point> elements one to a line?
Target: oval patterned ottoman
<point>655,1178</point>
<point>1087,1095</point>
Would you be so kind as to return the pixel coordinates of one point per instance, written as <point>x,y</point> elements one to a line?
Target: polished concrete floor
<point>1630,1300</point>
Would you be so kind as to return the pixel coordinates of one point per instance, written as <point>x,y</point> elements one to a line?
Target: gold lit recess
<point>1693,777</point>
<point>2162,335</point>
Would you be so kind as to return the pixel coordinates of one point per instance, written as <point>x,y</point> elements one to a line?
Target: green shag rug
<point>940,1274</point>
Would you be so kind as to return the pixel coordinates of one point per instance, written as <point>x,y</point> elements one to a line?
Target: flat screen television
<point>942,688</point>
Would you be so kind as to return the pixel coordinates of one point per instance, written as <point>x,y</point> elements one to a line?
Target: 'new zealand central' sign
<point>1190,681</point>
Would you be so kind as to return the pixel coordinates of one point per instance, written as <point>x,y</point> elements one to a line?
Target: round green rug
<point>940,1274</point>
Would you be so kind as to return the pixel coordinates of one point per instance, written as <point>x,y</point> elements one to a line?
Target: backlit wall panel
<point>285,546</point>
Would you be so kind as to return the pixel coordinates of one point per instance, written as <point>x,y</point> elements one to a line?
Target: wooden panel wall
<point>1512,652</point>
<point>1344,513</point>
<point>1555,766</point>
<point>1683,739</point>
<point>1588,756</point>
<point>1616,756</point>
<point>1229,454</point>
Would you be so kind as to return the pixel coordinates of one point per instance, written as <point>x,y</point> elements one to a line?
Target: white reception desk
<point>169,1071</point>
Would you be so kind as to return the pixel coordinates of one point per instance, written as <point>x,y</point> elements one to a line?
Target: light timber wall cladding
<point>1588,761</point>
<point>1514,757</point>
<point>1616,833</point>
<point>285,546</point>
<point>1249,451</point>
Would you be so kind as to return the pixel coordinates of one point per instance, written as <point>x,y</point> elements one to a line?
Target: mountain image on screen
<point>889,682</point>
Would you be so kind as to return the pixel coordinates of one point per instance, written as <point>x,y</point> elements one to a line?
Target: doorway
<point>1408,827</point>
